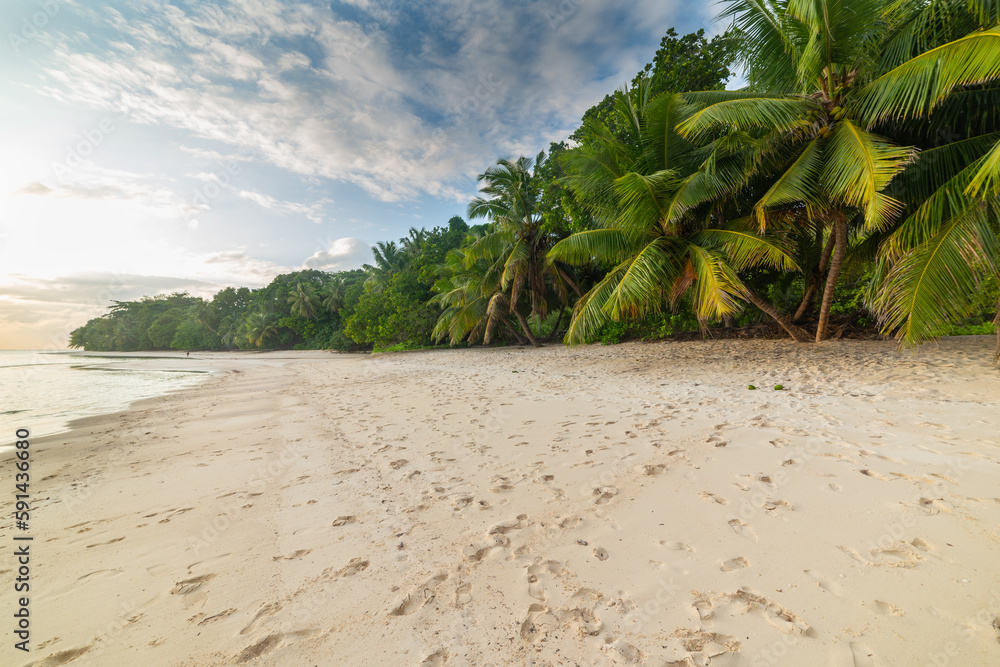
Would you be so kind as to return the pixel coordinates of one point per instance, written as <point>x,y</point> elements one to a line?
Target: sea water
<point>44,391</point>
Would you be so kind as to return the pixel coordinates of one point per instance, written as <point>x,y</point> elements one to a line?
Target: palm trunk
<point>517,334</point>
<point>573,285</point>
<point>817,277</point>
<point>836,263</point>
<point>555,329</point>
<point>799,334</point>
<point>526,328</point>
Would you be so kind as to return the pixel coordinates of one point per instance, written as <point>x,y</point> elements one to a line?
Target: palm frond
<point>859,166</point>
<point>771,113</point>
<point>930,286</point>
<point>917,86</point>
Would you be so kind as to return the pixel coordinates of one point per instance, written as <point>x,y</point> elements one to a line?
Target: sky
<point>157,146</point>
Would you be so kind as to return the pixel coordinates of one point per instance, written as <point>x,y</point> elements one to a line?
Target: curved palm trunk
<point>799,334</point>
<point>824,263</point>
<point>569,281</point>
<point>836,262</point>
<point>555,329</point>
<point>527,329</point>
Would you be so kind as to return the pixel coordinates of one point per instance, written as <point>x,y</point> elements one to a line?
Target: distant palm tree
<point>388,260</point>
<point>414,244</point>
<point>305,302</point>
<point>516,243</point>
<point>472,299</point>
<point>332,295</point>
<point>260,327</point>
<point>229,329</point>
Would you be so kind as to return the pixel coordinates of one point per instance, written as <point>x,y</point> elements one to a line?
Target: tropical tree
<point>332,295</point>
<point>305,302</point>
<point>258,328</point>
<point>652,193</point>
<point>388,260</point>
<point>473,302</point>
<point>829,82</point>
<point>517,244</point>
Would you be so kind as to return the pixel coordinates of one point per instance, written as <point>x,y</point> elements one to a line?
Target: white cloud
<point>398,109</point>
<point>340,255</point>
<point>313,213</point>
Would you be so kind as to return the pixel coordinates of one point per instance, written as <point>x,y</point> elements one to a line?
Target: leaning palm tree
<point>517,242</point>
<point>305,302</point>
<point>259,327</point>
<point>473,302</point>
<point>808,60</point>
<point>653,195</point>
<point>832,85</point>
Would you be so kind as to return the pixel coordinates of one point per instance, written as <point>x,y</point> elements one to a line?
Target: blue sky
<point>155,146</point>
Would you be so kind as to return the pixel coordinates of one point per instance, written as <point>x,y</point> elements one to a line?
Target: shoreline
<point>597,505</point>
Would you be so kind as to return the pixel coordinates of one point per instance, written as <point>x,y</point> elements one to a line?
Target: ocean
<point>43,391</point>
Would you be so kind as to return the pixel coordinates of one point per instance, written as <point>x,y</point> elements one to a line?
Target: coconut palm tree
<point>258,328</point>
<point>305,302</point>
<point>830,81</point>
<point>939,87</point>
<point>388,260</point>
<point>473,302</point>
<point>654,196</point>
<point>414,243</point>
<point>332,295</point>
<point>517,244</point>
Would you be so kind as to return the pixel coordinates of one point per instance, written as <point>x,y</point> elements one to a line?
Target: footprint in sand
<point>737,563</point>
<point>604,494</point>
<point>269,609</point>
<point>189,586</point>
<point>676,546</point>
<point>102,544</point>
<point>418,598</point>
<point>712,497</point>
<point>743,529</point>
<point>601,553</point>
<point>217,617</point>
<point>344,520</point>
<point>887,609</point>
<point>62,657</point>
<point>353,567</point>
<point>294,555</point>
<point>463,595</point>
<point>538,574</point>
<point>773,505</point>
<point>271,642</point>
<point>537,624</point>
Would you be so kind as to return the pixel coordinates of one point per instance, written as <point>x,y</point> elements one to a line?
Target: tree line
<point>855,181</point>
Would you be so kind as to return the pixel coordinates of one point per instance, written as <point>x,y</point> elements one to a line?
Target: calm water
<point>44,391</point>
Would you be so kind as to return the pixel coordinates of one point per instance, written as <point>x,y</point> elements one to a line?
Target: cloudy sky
<point>166,145</point>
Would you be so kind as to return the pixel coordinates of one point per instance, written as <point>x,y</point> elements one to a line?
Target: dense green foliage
<point>854,181</point>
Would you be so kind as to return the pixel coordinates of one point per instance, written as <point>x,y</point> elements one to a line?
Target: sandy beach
<point>632,504</point>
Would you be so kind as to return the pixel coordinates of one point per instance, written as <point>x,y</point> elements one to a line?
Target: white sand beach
<point>632,504</point>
